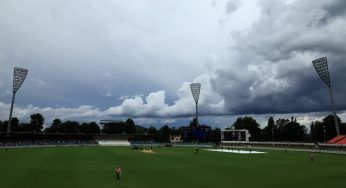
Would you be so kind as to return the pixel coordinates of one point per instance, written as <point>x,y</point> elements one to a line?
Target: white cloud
<point>39,81</point>
<point>88,113</point>
<point>6,93</point>
<point>155,104</point>
<point>152,105</point>
<point>50,113</point>
<point>168,121</point>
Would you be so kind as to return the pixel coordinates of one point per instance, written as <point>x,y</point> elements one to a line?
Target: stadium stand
<point>20,139</point>
<point>341,139</point>
<point>70,139</point>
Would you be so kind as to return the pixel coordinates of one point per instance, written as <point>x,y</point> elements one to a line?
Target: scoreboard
<point>199,133</point>
<point>229,136</point>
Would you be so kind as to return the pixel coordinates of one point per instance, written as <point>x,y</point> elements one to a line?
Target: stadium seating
<point>341,139</point>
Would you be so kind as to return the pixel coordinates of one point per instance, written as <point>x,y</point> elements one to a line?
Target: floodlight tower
<point>19,75</point>
<point>195,89</point>
<point>321,67</point>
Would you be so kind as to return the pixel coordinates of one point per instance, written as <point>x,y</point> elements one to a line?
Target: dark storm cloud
<point>109,59</point>
<point>336,9</point>
<point>68,47</point>
<point>271,69</point>
<point>231,6</point>
<point>92,59</point>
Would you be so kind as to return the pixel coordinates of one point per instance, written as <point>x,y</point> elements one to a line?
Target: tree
<point>293,131</point>
<point>329,124</point>
<point>313,131</point>
<point>153,131</point>
<point>25,127</point>
<point>165,132</point>
<point>268,131</point>
<point>325,130</point>
<point>193,123</point>
<point>89,128</point>
<point>290,130</point>
<point>69,127</point>
<point>317,131</point>
<point>280,124</point>
<point>215,135</point>
<point>249,124</point>
<point>15,124</point>
<point>55,127</point>
<point>176,131</point>
<point>36,122</point>
<point>140,129</point>
<point>2,127</point>
<point>84,128</point>
<point>94,128</point>
<point>130,126</point>
<point>343,128</point>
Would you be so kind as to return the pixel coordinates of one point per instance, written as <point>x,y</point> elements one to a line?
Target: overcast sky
<point>92,60</point>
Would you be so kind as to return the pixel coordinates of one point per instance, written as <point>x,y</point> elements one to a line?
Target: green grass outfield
<point>169,167</point>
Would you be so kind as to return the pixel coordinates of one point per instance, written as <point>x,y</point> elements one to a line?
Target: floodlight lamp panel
<point>321,67</point>
<point>18,78</point>
<point>195,89</point>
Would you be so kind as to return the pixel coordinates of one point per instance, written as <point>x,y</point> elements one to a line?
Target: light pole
<point>324,134</point>
<point>195,89</point>
<point>321,67</point>
<point>19,75</point>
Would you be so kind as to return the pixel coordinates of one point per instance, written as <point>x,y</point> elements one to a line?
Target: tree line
<point>36,126</point>
<point>275,130</point>
<point>289,129</point>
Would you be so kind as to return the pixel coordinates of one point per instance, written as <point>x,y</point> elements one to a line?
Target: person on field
<point>196,151</point>
<point>312,157</point>
<point>118,172</point>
